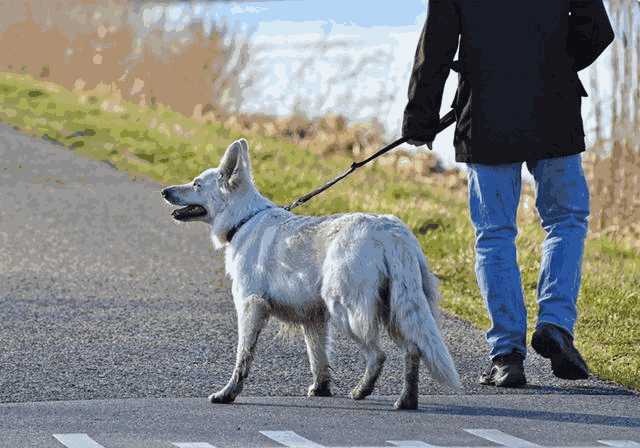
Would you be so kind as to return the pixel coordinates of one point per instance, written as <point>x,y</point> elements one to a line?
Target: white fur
<point>357,270</point>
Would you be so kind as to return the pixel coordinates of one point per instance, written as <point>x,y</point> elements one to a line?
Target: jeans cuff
<point>555,324</point>
<point>507,350</point>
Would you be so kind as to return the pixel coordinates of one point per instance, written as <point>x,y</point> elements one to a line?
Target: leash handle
<point>445,122</point>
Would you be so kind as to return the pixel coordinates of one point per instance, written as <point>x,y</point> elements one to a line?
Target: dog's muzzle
<point>186,213</point>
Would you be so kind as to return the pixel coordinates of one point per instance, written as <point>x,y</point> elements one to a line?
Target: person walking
<point>518,101</point>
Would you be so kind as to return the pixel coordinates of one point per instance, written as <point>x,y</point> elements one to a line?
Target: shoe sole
<point>564,365</point>
<point>502,382</point>
<point>513,382</point>
<point>510,384</point>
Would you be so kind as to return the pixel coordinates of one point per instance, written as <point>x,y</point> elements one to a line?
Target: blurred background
<point>330,76</point>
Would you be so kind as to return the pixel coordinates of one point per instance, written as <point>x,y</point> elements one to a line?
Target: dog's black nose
<point>164,192</point>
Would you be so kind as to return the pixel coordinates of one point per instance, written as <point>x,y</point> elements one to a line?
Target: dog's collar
<point>235,228</point>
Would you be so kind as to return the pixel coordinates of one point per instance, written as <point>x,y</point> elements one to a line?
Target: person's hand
<point>418,143</point>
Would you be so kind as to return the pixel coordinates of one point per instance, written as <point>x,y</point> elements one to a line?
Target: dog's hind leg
<point>361,325</point>
<point>251,320</point>
<point>315,335</point>
<point>409,397</point>
<point>374,358</point>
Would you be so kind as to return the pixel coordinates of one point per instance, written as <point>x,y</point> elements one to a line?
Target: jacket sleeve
<point>590,31</point>
<point>435,52</point>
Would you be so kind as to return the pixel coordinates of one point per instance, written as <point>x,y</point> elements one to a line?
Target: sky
<point>364,13</point>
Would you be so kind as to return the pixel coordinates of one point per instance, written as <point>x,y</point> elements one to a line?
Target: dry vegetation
<point>111,46</point>
<point>613,162</point>
<point>83,43</point>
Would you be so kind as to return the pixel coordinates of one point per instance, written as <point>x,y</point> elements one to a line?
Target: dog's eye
<point>196,185</point>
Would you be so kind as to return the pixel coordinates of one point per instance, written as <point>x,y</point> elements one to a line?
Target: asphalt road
<point>103,296</point>
<point>479,420</point>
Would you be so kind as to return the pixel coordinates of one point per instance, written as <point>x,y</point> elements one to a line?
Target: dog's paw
<point>319,390</point>
<point>360,393</point>
<point>221,397</point>
<point>406,404</point>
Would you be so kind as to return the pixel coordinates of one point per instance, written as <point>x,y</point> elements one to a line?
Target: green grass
<point>170,148</point>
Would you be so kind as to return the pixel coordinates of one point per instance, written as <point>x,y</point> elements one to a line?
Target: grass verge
<point>170,148</point>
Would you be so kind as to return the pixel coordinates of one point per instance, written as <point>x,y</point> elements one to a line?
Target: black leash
<point>445,122</point>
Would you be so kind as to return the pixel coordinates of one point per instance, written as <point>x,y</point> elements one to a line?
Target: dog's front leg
<point>252,316</point>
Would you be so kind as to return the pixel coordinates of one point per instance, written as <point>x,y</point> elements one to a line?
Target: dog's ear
<point>234,166</point>
<point>244,152</point>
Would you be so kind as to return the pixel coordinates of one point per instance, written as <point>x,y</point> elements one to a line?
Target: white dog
<point>356,270</point>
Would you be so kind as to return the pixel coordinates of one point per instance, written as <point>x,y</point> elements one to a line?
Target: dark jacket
<point>518,94</point>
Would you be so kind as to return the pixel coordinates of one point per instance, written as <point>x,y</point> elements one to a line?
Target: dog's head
<point>210,192</point>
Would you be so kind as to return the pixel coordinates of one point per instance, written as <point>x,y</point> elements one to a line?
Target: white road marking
<point>620,443</point>
<point>419,444</point>
<point>495,436</point>
<point>410,444</point>
<point>290,439</point>
<point>77,441</point>
<point>192,445</point>
<point>506,439</point>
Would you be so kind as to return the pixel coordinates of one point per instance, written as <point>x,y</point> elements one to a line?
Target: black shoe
<point>553,342</point>
<point>505,371</point>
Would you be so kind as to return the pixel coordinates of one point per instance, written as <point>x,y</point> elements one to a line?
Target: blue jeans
<point>562,201</point>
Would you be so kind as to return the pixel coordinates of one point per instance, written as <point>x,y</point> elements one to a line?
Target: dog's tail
<point>413,297</point>
<point>429,285</point>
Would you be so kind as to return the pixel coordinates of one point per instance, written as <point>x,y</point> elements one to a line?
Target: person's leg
<point>494,194</point>
<point>562,200</point>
